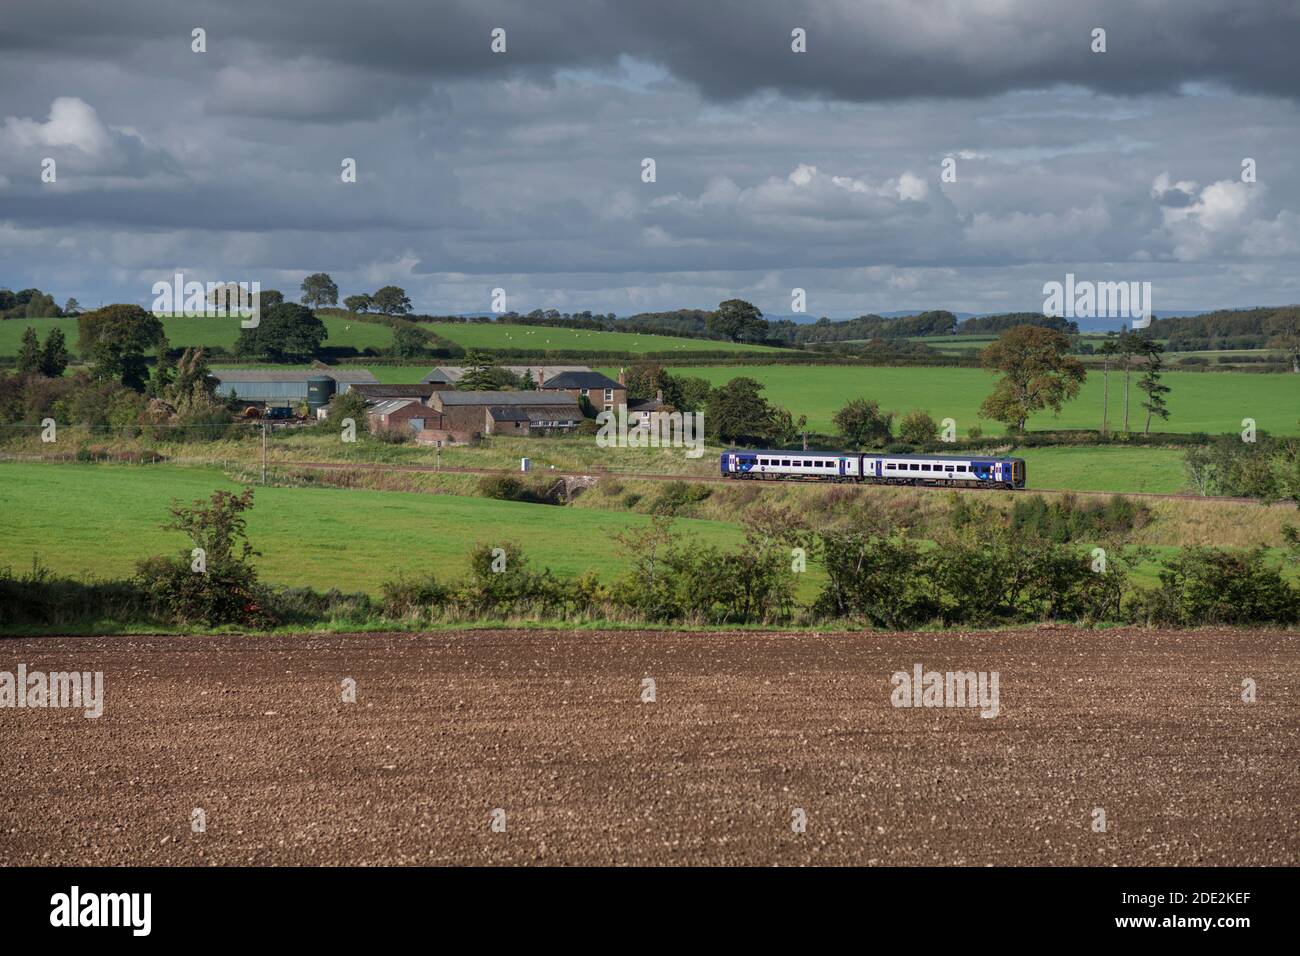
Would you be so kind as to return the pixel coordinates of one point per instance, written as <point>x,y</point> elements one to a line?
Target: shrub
<point>38,598</point>
<point>213,583</point>
<point>674,496</point>
<point>414,597</point>
<point>917,428</point>
<point>1216,586</point>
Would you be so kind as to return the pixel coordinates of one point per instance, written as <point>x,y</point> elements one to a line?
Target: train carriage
<point>976,471</point>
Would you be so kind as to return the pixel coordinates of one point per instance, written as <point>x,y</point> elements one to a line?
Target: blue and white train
<point>938,470</point>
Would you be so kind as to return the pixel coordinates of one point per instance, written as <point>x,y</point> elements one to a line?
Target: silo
<point>320,389</point>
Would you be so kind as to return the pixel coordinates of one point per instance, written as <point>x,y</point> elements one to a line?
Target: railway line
<point>650,476</point>
<point>718,479</point>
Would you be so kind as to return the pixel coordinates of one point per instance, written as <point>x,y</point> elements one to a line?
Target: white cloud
<point>72,122</point>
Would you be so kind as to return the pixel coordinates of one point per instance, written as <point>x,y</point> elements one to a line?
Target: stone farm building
<point>460,416</point>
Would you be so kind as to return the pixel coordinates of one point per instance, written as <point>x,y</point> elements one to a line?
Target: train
<point>953,471</point>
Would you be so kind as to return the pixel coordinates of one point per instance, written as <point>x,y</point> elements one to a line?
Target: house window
<point>584,392</point>
<point>609,394</point>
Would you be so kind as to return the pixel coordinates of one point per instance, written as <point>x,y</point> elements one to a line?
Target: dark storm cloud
<point>775,170</point>
<point>857,50</point>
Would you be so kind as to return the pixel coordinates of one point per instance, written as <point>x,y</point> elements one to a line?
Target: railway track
<point>648,476</point>
<point>718,479</point>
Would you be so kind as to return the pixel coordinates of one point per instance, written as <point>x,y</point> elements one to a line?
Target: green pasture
<point>190,331</point>
<point>1199,401</point>
<point>101,519</point>
<point>499,335</point>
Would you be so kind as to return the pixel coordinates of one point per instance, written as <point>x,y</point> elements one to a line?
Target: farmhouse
<point>284,387</point>
<point>603,392</point>
<point>501,413</point>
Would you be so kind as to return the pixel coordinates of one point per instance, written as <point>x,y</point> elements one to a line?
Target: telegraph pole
<point>263,452</point>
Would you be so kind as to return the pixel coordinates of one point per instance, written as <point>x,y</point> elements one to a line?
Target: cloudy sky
<point>774,169</point>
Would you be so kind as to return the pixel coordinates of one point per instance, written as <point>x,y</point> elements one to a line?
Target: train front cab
<point>1017,473</point>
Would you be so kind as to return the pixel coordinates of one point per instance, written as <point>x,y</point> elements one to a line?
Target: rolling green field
<point>496,335</point>
<point>1209,402</point>
<point>102,518</point>
<point>183,332</point>
<point>1150,470</point>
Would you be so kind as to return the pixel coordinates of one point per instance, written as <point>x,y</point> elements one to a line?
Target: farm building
<point>272,386</point>
<point>398,413</point>
<point>418,392</point>
<point>641,412</point>
<point>501,413</point>
<point>446,376</point>
<point>603,392</point>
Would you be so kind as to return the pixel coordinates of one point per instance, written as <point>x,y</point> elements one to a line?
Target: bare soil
<point>746,729</point>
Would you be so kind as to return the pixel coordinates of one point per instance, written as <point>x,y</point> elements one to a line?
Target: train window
<point>785,462</point>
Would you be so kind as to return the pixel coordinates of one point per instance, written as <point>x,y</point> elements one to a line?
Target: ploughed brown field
<point>550,727</point>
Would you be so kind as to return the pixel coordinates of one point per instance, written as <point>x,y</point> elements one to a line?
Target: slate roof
<point>381,392</point>
<point>501,399</point>
<point>581,380</point>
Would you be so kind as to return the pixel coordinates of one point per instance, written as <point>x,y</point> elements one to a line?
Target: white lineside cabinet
<point>525,464</point>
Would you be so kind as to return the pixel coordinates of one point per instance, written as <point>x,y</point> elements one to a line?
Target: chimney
<point>622,377</point>
<point>541,379</point>
<point>659,395</point>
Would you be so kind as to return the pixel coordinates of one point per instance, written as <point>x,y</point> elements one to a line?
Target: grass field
<point>1149,470</point>
<point>496,335</point>
<point>102,518</point>
<point>184,332</point>
<point>1210,402</point>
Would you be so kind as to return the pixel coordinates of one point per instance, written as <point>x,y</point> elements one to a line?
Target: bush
<point>1216,586</point>
<point>38,598</point>
<point>511,488</point>
<point>917,428</point>
<point>1065,519</point>
<point>674,496</point>
<point>212,583</point>
<point>415,597</point>
<point>308,606</point>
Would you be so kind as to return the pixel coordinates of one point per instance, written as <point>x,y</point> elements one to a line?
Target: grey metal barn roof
<point>391,405</point>
<point>351,377</point>
<point>538,399</point>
